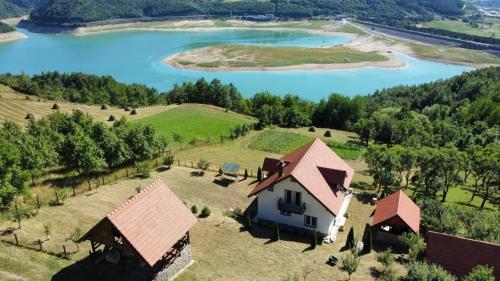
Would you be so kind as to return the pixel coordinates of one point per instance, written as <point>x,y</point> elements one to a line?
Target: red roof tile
<point>153,221</point>
<point>398,204</point>
<point>460,255</point>
<point>306,165</point>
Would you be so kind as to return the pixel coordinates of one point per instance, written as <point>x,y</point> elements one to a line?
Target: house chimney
<point>281,166</point>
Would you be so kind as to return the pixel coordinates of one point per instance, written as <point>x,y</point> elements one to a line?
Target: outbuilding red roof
<point>399,205</point>
<point>153,221</point>
<point>317,168</point>
<point>460,255</point>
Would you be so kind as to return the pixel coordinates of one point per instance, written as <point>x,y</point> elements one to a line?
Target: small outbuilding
<point>397,214</point>
<point>152,228</point>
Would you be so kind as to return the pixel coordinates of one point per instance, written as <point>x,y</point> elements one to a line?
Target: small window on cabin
<point>298,198</point>
<point>288,196</point>
<point>270,188</point>
<point>311,221</point>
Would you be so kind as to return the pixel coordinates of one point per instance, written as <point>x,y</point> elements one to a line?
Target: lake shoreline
<point>11,36</point>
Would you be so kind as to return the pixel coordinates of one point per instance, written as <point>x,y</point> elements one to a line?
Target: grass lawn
<point>488,27</point>
<point>275,56</point>
<point>14,106</point>
<point>195,121</point>
<point>221,250</point>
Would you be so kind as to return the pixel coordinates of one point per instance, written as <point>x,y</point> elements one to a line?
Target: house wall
<point>179,263</point>
<point>268,207</point>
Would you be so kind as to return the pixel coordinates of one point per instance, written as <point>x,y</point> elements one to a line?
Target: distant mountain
<point>82,11</point>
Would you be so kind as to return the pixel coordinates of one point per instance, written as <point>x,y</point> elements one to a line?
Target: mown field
<point>489,27</point>
<point>195,121</point>
<point>221,250</point>
<point>265,56</point>
<point>15,106</point>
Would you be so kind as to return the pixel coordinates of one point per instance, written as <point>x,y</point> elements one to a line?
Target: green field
<point>488,27</point>
<point>195,121</point>
<point>264,56</point>
<point>280,142</point>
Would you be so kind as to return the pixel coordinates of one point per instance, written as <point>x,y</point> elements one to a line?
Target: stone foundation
<point>179,263</point>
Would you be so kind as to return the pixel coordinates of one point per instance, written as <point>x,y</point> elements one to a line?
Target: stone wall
<point>179,263</point>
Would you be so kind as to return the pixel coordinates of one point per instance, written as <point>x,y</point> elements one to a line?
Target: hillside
<point>4,28</point>
<point>10,10</point>
<point>71,12</point>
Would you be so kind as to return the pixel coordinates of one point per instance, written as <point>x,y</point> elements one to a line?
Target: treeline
<point>4,28</point>
<point>458,35</point>
<point>81,88</point>
<point>71,12</point>
<point>74,141</point>
<point>10,10</point>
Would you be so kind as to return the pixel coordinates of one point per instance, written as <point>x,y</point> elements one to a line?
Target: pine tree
<point>276,232</point>
<point>259,174</point>
<point>350,239</point>
<point>367,240</point>
<point>246,173</point>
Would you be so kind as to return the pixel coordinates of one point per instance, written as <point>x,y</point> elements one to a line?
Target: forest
<point>69,12</point>
<point>4,28</point>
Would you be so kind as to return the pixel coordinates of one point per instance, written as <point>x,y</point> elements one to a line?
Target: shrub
<point>62,194</point>
<point>203,165</point>
<point>138,189</point>
<point>143,169</point>
<point>104,107</point>
<point>341,228</point>
<point>29,116</point>
<point>385,258</point>
<point>28,98</point>
<point>75,236</point>
<point>128,108</point>
<point>111,118</point>
<point>350,264</point>
<point>205,212</point>
<point>328,134</point>
<point>134,112</point>
<point>47,229</point>
<point>312,129</point>
<point>389,274</point>
<point>169,159</point>
<point>415,244</point>
<point>418,271</point>
<point>194,209</point>
<point>220,171</point>
<point>56,106</point>
<point>480,273</point>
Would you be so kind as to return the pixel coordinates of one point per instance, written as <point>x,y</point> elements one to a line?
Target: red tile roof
<point>306,165</point>
<point>153,221</point>
<point>460,255</point>
<point>398,204</point>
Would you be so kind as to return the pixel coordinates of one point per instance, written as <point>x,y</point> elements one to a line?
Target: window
<point>271,188</point>
<point>311,221</point>
<point>293,197</point>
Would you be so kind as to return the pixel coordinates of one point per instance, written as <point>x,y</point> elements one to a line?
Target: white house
<point>307,189</point>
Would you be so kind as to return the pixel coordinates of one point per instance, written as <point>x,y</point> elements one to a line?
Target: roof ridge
<point>462,237</point>
<point>134,198</point>
<point>304,155</point>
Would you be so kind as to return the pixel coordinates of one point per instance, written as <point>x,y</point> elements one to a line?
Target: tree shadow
<point>162,169</point>
<point>365,197</point>
<point>374,272</point>
<point>224,182</point>
<point>362,186</point>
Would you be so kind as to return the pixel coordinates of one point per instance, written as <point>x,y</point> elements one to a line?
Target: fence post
<point>40,244</point>
<point>103,183</point>
<point>156,161</point>
<point>74,192</point>
<point>37,202</point>
<point>126,171</point>
<point>192,165</point>
<point>251,173</point>
<point>17,240</point>
<point>65,253</point>
<point>57,197</point>
<point>116,177</point>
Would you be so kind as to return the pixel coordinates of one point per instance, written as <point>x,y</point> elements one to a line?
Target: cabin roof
<point>308,165</point>
<point>152,221</point>
<point>400,205</point>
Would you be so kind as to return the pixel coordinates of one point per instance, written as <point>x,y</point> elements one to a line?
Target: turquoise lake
<point>136,56</point>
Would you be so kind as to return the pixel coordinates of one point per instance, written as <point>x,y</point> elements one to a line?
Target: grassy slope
<point>15,107</point>
<point>244,256</point>
<point>491,27</point>
<point>195,121</point>
<point>263,56</point>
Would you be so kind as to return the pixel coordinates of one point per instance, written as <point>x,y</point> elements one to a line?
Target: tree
<point>276,232</point>
<point>407,158</point>
<point>75,236</point>
<point>386,258</point>
<point>415,244</point>
<point>450,169</point>
<point>169,159</point>
<point>205,212</point>
<point>480,273</point>
<point>178,139</point>
<point>11,177</point>
<point>18,214</point>
<point>349,243</point>
<point>202,165</point>
<point>389,274</point>
<point>194,209</point>
<point>350,263</point>
<point>383,165</point>
<point>47,229</point>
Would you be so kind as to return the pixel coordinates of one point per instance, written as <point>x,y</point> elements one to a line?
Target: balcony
<point>292,208</point>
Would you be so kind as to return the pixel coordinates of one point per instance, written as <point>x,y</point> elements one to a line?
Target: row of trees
<point>74,141</point>
<point>435,170</point>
